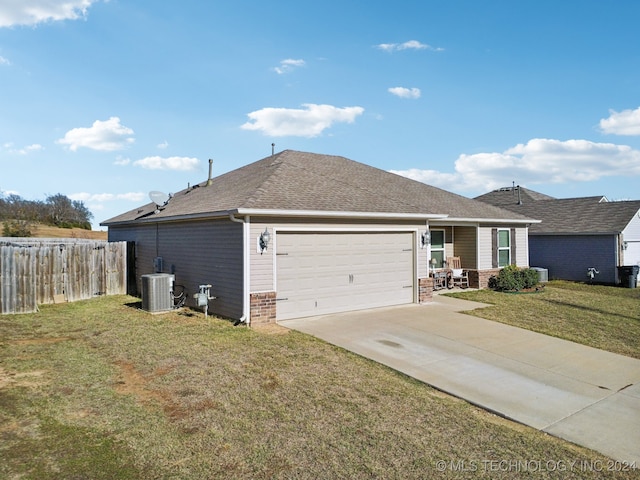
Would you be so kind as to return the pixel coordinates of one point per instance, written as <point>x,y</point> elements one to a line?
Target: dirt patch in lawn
<point>39,341</point>
<point>22,379</point>
<point>132,382</point>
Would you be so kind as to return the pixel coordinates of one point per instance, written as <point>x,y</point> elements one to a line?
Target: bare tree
<point>56,210</point>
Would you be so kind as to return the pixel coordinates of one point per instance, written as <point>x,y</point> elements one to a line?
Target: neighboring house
<point>576,234</point>
<point>300,234</point>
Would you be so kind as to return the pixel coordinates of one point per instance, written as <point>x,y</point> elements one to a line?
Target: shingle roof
<point>292,180</point>
<point>507,196</point>
<point>583,215</point>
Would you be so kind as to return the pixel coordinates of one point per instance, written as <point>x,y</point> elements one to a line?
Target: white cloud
<point>288,65</point>
<point>121,161</point>
<point>404,92</point>
<point>167,163</point>
<point>108,197</point>
<point>33,12</point>
<point>25,150</point>
<point>308,122</point>
<point>410,45</point>
<point>626,122</point>
<point>4,61</point>
<point>31,148</point>
<point>104,136</point>
<point>538,161</point>
<point>163,145</point>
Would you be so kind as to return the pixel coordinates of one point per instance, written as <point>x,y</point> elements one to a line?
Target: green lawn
<point>99,389</point>
<point>599,316</point>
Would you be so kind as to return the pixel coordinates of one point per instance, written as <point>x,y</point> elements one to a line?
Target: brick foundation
<point>425,290</point>
<point>480,278</point>
<point>263,308</point>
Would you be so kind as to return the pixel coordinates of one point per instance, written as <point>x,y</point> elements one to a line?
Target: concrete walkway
<point>584,395</point>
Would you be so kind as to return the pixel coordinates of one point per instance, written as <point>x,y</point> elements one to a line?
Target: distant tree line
<point>18,215</point>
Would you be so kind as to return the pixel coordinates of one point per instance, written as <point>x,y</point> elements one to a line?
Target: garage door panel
<point>319,273</point>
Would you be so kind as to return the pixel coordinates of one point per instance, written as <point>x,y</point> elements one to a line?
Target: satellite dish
<point>159,198</point>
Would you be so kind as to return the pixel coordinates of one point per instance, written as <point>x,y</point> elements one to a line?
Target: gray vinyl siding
<point>197,252</point>
<point>144,237</point>
<point>262,264</point>
<point>522,250</point>
<point>485,250</point>
<point>567,257</point>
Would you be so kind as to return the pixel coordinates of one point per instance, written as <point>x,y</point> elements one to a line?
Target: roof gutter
<point>282,213</point>
<point>319,214</point>
<point>493,220</point>
<point>574,234</point>
<point>338,214</point>
<point>172,218</point>
<point>245,318</point>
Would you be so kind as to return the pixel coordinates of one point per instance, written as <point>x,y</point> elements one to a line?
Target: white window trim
<point>444,245</point>
<point>507,248</point>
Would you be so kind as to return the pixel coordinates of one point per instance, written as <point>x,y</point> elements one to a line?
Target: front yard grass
<point>100,389</point>
<point>600,316</point>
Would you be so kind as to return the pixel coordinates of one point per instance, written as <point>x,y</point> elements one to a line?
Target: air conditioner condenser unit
<point>156,292</point>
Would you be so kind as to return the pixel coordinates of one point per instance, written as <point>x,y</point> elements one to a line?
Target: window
<point>504,247</point>
<point>437,248</point>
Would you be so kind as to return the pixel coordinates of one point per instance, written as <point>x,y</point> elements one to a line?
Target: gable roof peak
<point>310,182</point>
<point>512,196</point>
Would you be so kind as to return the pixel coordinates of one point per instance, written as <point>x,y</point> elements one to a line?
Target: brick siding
<point>263,308</point>
<point>480,278</point>
<point>425,289</point>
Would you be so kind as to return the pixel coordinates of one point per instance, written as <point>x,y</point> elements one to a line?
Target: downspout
<point>245,266</point>
<point>428,248</point>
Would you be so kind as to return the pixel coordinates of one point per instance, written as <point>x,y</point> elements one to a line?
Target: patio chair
<point>439,280</point>
<point>459,276</point>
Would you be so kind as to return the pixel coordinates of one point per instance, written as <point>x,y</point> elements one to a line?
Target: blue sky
<point>104,101</point>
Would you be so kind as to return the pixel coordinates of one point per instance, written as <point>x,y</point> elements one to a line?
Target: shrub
<point>512,278</point>
<point>508,279</point>
<point>529,277</point>
<point>16,228</point>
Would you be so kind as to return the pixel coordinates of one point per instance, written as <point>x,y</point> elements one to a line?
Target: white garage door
<point>320,273</point>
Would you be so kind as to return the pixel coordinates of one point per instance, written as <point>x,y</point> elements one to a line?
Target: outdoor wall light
<point>625,245</point>
<point>264,240</point>
<point>425,239</point>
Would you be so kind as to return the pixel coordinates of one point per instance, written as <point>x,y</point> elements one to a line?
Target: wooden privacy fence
<point>41,271</point>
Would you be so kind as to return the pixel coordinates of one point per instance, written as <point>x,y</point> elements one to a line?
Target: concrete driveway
<point>581,394</point>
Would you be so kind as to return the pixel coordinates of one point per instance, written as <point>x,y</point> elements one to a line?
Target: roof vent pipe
<point>210,168</point>
<point>273,149</point>
<point>519,196</point>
